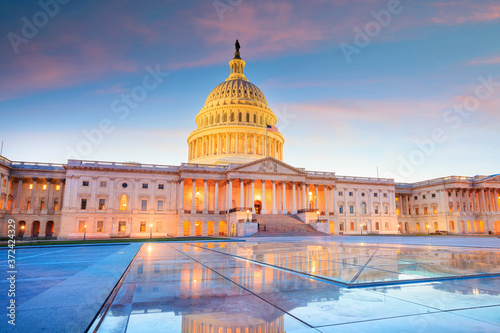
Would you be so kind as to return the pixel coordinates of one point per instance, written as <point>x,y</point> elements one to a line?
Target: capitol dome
<point>232,126</point>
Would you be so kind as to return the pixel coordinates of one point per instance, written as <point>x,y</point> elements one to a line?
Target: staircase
<point>273,225</point>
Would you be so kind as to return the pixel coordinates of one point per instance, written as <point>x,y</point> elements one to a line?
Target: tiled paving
<point>309,286</point>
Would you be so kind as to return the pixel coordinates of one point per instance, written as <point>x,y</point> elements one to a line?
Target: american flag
<point>271,128</point>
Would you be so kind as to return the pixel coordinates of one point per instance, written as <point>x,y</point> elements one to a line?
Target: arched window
<point>210,228</point>
<point>232,116</point>
<point>248,117</point>
<point>222,228</point>
<point>255,119</point>
<point>217,119</point>
<point>123,202</point>
<point>240,118</point>
<point>224,118</point>
<point>199,228</point>
<point>187,228</point>
<point>363,207</point>
<point>211,119</point>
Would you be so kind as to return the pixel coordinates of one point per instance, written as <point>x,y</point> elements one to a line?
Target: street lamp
<point>22,232</point>
<point>84,231</point>
<point>427,226</point>
<point>317,213</point>
<point>248,214</point>
<point>361,227</point>
<point>151,231</point>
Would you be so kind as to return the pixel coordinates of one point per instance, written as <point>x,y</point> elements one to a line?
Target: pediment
<point>492,179</point>
<point>268,165</point>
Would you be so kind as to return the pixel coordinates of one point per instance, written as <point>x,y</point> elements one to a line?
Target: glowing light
<point>310,193</point>
<point>58,187</point>
<point>151,225</point>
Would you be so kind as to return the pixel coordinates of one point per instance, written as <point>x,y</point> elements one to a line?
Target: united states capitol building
<point>234,184</point>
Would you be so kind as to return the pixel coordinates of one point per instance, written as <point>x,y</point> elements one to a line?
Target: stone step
<point>273,225</point>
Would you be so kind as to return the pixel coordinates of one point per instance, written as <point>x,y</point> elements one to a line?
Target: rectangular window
<point>350,194</point>
<point>416,211</point>
<point>56,205</point>
<point>434,210</point>
<point>44,186</point>
<point>427,225</point>
<point>416,198</point>
<point>4,182</point>
<point>161,186</point>
<point>377,226</point>
<point>42,205</point>
<point>424,197</point>
<point>144,185</point>
<point>385,195</point>
<point>341,209</point>
<point>386,209</point>
<point>144,205</point>
<point>28,205</point>
<point>122,226</point>
<point>376,209</point>
<point>386,225</point>
<point>159,226</point>
<point>100,226</point>
<point>81,226</point>
<point>351,209</point>
<point>433,195</point>
<point>340,194</point>
<point>341,226</point>
<point>85,183</point>
<point>160,205</point>
<point>436,227</point>
<point>375,195</point>
<point>143,226</point>
<point>103,184</point>
<point>352,226</point>
<point>425,210</point>
<point>418,226</point>
<point>102,203</point>
<point>83,204</point>
<point>30,186</point>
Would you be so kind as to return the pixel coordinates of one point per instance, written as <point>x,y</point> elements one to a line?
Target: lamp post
<point>248,214</point>
<point>22,232</point>
<point>151,231</point>
<point>317,213</point>
<point>84,231</point>
<point>427,226</point>
<point>361,227</point>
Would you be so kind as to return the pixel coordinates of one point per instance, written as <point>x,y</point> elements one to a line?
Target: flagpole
<point>266,141</point>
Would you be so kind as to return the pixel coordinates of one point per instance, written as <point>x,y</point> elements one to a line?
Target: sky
<point>406,89</point>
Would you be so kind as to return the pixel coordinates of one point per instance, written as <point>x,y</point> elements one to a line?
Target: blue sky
<point>412,100</point>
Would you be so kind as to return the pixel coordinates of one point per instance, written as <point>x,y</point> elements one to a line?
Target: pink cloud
<point>485,61</point>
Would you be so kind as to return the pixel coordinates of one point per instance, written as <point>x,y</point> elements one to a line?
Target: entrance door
<point>36,229</point>
<point>258,206</point>
<point>49,229</point>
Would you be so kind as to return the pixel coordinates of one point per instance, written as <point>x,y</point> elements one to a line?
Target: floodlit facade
<point>235,171</point>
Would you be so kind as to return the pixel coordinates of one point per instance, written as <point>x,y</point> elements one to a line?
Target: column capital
<point>48,180</point>
<point>34,178</point>
<point>252,180</point>
<point>242,180</point>
<point>273,181</point>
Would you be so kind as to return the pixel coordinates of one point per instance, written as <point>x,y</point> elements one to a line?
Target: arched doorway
<point>233,229</point>
<point>210,228</point>
<point>35,229</point>
<point>187,228</point>
<point>258,206</point>
<point>481,226</point>
<point>222,228</point>
<point>49,229</point>
<point>21,228</point>
<point>476,226</point>
<point>462,226</point>
<point>469,227</point>
<point>199,228</point>
<point>496,227</point>
<point>332,227</point>
<point>407,227</point>
<point>452,227</point>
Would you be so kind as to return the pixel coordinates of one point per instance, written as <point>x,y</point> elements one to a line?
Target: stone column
<point>285,211</point>
<point>229,194</point>
<point>304,196</point>
<point>325,198</point>
<point>7,193</point>
<point>245,144</point>
<point>264,211</point>
<point>33,195</point>
<point>216,204</point>
<point>460,206</point>
<point>205,197</point>
<point>488,200</point>
<point>242,196</point>
<point>252,196</point>
<point>181,196</point>
<point>474,210</point>
<point>316,198</point>
<point>482,202</point>
<point>294,203</point>
<point>495,198</point>
<point>193,197</point>
<point>467,201</point>
<point>274,197</point>
<point>47,192</point>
